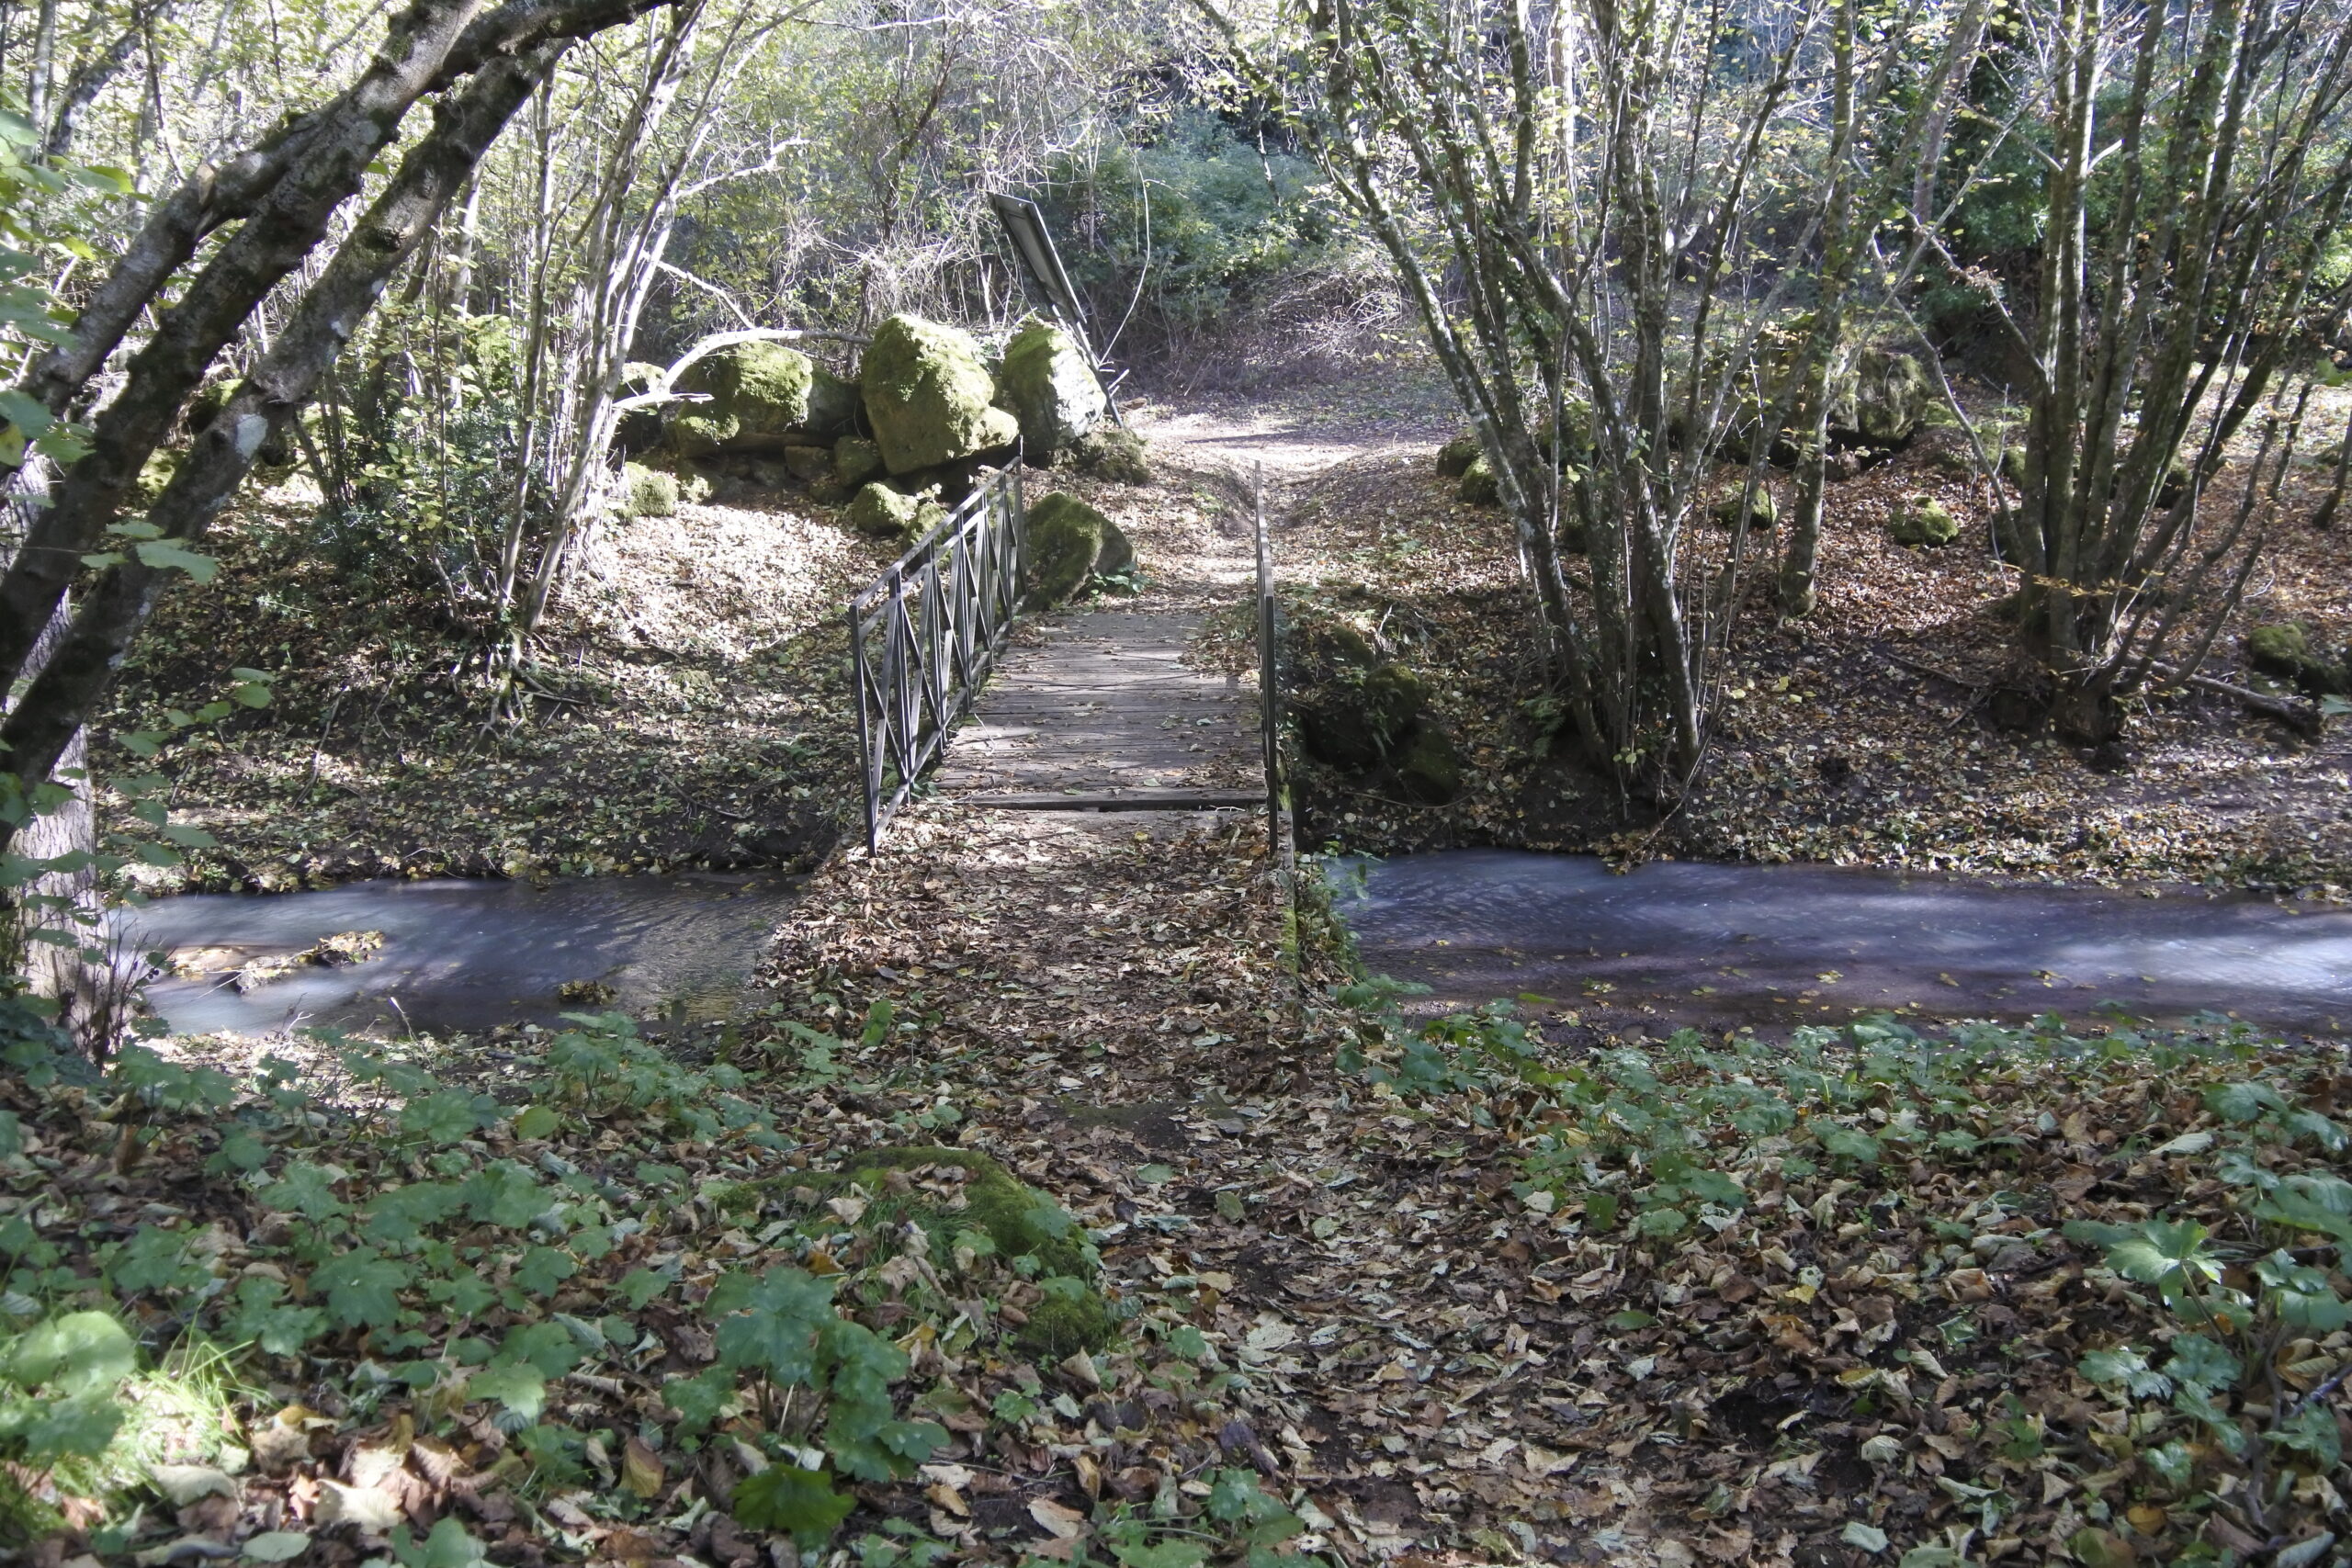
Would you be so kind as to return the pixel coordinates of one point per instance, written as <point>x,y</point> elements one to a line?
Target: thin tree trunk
<point>74,678</point>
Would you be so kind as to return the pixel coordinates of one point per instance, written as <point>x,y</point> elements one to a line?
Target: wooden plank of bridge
<point>1101,713</point>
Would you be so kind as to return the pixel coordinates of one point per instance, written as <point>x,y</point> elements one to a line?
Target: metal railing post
<point>1269,715</point>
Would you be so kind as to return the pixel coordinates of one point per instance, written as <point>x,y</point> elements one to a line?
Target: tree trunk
<point>74,678</point>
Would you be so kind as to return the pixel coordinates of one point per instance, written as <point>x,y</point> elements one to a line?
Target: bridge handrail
<point>924,635</point>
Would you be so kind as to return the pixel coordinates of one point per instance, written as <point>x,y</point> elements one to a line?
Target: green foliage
<point>57,1384</point>
<point>1212,227</point>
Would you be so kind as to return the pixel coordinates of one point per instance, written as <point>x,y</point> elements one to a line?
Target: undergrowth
<point>2128,1250</point>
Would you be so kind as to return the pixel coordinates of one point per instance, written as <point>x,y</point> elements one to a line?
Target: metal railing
<point>924,635</point>
<point>1269,674</point>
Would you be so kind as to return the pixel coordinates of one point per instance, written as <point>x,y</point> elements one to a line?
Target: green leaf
<point>162,555</point>
<point>1661,1223</point>
<point>449,1115</point>
<point>258,1317</point>
<point>639,1286</point>
<point>276,1546</point>
<point>153,1260</point>
<point>362,1288</point>
<point>543,1269</point>
<point>778,1335</point>
<point>702,1399</point>
<point>517,1385</point>
<point>1869,1537</point>
<point>2124,1367</point>
<point>504,1193</point>
<point>1847,1143</point>
<point>304,1189</point>
<point>549,1347</point>
<point>403,1213</point>
<point>785,1497</point>
<point>2312,1432</point>
<point>2197,1362</point>
<point>50,1430</point>
<point>536,1122</point>
<point>1160,1554</point>
<point>2242,1101</point>
<point>83,1352</point>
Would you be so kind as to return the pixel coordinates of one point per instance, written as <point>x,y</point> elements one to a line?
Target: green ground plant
<point>2206,1386</point>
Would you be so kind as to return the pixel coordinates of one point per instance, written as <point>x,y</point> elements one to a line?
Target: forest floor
<point>1342,1288</point>
<point>1861,736</point>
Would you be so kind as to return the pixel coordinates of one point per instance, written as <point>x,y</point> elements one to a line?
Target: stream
<point>1681,940</point>
<point>459,955</point>
<point>1700,942</point>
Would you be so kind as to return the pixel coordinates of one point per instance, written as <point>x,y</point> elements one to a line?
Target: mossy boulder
<point>928,398</point>
<point>702,435</point>
<point>1070,1319</point>
<point>1066,539</point>
<point>1454,459</point>
<point>1890,391</point>
<point>857,461</point>
<point>1922,519</point>
<point>2287,648</point>
<point>1111,452</point>
<point>886,513</point>
<point>1118,553</point>
<point>1354,720</point>
<point>1018,1220</point>
<point>1763,512</point>
<point>761,388</point>
<point>1478,487</point>
<point>648,492</point>
<point>810,465</point>
<point>2012,466</point>
<point>1429,768</point>
<point>1048,386</point>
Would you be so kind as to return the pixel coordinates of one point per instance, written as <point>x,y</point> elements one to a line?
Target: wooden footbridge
<point>1095,711</point>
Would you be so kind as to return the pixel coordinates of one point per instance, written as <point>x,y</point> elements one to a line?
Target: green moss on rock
<point>883,513</point>
<point>1048,386</point>
<point>1118,553</point>
<point>701,434</point>
<point>2287,648</point>
<point>1109,452</point>
<point>1429,768</point>
<point>648,492</point>
<point>833,407</point>
<point>1922,519</point>
<point>810,465</point>
<point>1066,539</point>
<point>1018,1219</point>
<point>1763,512</point>
<point>1478,486</point>
<point>857,461</point>
<point>763,388</point>
<point>1454,459</point>
<point>928,398</point>
<point>1891,394</point>
<point>1062,1325</point>
<point>1353,721</point>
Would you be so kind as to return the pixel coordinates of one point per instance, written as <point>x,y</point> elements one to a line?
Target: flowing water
<point>1704,943</point>
<point>459,955</point>
<point>1681,940</point>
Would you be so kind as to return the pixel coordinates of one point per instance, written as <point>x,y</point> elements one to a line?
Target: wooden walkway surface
<point>1104,714</point>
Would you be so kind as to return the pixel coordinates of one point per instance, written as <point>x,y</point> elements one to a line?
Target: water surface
<point>1704,942</point>
<point>464,954</point>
